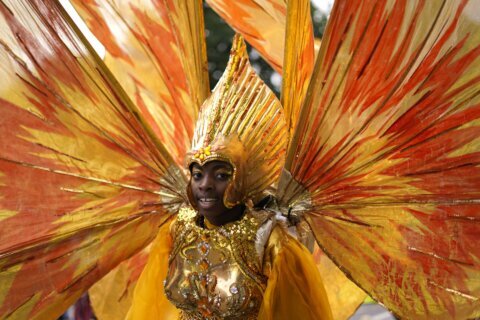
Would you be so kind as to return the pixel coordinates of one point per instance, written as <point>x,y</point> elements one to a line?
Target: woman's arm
<point>149,300</point>
<point>295,289</point>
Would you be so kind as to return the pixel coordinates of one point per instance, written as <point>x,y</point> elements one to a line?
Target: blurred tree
<point>319,19</point>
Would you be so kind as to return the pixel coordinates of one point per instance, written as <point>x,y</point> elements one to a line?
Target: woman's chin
<point>210,211</point>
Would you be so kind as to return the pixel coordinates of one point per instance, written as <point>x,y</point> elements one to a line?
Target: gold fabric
<point>344,296</point>
<point>248,269</point>
<point>112,296</point>
<point>149,300</point>
<point>295,289</point>
<point>299,46</point>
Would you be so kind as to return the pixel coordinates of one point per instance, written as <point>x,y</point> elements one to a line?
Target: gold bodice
<point>217,273</point>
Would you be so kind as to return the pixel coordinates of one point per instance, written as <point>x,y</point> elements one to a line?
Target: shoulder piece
<point>186,214</point>
<point>182,227</point>
<point>265,222</point>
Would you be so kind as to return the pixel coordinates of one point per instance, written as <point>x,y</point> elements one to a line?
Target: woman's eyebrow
<point>222,166</point>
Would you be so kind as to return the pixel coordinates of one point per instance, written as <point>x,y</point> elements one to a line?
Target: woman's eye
<point>196,175</point>
<point>223,176</point>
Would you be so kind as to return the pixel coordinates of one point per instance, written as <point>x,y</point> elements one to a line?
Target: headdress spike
<point>233,124</point>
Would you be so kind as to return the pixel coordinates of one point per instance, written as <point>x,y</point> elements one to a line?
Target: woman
<point>227,258</point>
<point>228,262</point>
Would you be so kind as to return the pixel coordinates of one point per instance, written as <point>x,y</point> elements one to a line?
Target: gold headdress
<point>241,123</point>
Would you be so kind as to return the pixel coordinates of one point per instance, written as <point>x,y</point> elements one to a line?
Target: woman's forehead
<point>212,165</point>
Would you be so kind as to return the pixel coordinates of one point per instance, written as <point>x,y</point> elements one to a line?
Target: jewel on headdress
<point>203,153</point>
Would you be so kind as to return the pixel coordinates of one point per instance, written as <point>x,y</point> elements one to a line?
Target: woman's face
<point>208,184</point>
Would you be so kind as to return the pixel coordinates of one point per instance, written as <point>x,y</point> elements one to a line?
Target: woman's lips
<point>207,202</point>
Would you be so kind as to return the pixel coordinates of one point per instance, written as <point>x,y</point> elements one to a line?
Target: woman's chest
<point>216,274</point>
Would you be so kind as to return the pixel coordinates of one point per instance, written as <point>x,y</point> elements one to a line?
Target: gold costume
<point>240,270</point>
<point>217,273</point>
<point>246,269</point>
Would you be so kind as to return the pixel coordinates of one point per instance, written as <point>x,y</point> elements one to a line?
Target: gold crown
<point>233,126</point>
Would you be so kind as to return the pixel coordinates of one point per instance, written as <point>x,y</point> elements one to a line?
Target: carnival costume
<point>376,149</point>
<point>238,270</point>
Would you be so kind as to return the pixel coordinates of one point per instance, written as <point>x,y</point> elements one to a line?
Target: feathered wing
<point>385,158</point>
<point>84,182</point>
<point>112,296</point>
<point>298,59</point>
<point>156,50</point>
<point>343,295</point>
<point>261,22</point>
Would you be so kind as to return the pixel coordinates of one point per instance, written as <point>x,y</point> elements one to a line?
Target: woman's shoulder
<point>186,214</point>
<point>184,219</point>
<point>270,224</point>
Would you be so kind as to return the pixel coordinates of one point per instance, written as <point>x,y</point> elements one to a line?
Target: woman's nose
<point>206,183</point>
